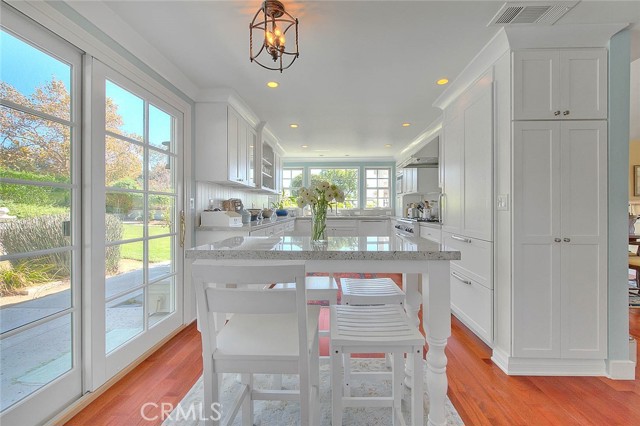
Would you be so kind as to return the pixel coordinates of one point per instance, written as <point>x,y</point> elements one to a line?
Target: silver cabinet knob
<point>556,113</point>
<point>567,240</point>
<point>557,240</point>
<point>566,112</point>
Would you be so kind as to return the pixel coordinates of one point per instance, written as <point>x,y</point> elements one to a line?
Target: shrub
<point>21,275</point>
<point>115,232</point>
<point>46,232</point>
<point>23,211</point>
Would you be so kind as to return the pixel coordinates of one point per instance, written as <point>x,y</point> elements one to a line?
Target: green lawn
<point>159,249</point>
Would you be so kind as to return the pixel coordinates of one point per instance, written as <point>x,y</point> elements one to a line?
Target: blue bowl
<point>281,212</point>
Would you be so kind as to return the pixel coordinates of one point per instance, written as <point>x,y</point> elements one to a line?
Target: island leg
<point>412,306</point>
<point>436,296</point>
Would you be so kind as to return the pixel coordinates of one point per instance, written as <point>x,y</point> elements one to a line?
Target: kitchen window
<point>378,187</point>
<point>345,178</point>
<point>292,181</point>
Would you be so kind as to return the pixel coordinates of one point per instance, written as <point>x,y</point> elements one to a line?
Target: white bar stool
<point>366,292</point>
<point>318,288</point>
<point>385,329</point>
<point>371,291</point>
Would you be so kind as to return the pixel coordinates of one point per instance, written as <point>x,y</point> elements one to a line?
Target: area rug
<point>282,413</point>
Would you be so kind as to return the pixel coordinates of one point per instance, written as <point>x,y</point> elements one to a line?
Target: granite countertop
<point>338,248</point>
<point>248,227</point>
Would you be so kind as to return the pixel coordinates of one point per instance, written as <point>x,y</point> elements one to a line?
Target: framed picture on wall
<point>636,181</point>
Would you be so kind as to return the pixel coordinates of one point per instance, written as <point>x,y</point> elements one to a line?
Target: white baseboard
<point>624,369</point>
<point>548,367</point>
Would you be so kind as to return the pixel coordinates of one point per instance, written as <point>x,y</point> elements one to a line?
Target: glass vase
<point>319,224</point>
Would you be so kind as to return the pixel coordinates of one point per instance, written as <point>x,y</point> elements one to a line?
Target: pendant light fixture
<point>272,25</point>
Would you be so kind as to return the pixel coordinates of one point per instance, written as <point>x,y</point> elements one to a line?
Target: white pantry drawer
<point>476,257</point>
<point>472,303</point>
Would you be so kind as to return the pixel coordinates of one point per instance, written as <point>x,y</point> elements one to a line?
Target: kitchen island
<point>414,257</point>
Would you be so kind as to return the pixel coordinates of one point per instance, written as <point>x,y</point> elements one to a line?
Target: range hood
<point>425,157</point>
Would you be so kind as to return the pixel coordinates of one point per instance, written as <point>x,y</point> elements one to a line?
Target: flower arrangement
<point>319,196</point>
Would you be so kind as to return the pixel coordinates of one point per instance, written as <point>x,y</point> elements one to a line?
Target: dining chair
<point>269,332</point>
<point>380,329</point>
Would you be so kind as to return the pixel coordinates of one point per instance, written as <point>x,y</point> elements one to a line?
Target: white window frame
<point>377,188</point>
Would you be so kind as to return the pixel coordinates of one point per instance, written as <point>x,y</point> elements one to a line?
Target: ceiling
<point>365,67</point>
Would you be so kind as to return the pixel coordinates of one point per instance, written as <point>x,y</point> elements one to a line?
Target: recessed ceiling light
<point>293,125</point>
<point>304,146</point>
<point>273,84</point>
<point>442,81</point>
<point>406,124</point>
<point>388,145</point>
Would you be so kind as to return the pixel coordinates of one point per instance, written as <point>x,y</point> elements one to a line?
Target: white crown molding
<point>342,160</point>
<point>563,36</point>
<point>104,18</point>
<point>231,97</point>
<point>73,32</point>
<point>488,55</point>
<point>427,135</point>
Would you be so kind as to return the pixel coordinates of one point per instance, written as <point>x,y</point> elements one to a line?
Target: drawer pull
<point>460,278</point>
<point>459,238</point>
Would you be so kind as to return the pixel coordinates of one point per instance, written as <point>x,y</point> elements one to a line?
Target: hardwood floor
<point>480,391</point>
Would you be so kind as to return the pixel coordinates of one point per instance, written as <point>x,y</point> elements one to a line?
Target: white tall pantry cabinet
<point>526,204</point>
<point>559,235</point>
<point>559,239</point>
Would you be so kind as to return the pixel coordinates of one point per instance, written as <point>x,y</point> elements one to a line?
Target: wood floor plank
<point>480,391</point>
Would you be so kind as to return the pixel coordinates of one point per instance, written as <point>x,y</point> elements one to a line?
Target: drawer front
<point>476,257</point>
<point>289,226</point>
<point>472,303</point>
<point>430,233</point>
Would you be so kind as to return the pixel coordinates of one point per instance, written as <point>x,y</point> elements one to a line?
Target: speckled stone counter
<point>248,227</point>
<point>338,248</point>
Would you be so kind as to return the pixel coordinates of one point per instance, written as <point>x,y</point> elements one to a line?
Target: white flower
<point>340,196</point>
<point>324,185</point>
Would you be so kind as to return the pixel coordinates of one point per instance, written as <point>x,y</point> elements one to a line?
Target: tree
<point>345,179</point>
<point>29,143</point>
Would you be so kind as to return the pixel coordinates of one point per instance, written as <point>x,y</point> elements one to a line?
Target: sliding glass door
<point>40,233</point>
<point>136,170</point>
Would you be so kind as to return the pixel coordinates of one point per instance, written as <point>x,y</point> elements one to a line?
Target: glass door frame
<point>105,366</point>
<point>51,398</point>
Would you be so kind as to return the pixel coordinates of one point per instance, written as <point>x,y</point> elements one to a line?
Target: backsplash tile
<point>218,193</point>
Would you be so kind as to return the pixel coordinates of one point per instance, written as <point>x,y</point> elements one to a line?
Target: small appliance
<point>221,218</point>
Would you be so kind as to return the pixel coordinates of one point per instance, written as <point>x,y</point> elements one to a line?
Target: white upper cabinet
<point>224,145</point>
<point>268,162</point>
<point>467,164</point>
<point>560,84</point>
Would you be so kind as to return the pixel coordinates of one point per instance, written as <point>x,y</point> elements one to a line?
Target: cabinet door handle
<point>460,278</point>
<point>459,238</point>
<point>567,240</point>
<point>556,113</point>
<point>566,112</point>
<point>557,240</point>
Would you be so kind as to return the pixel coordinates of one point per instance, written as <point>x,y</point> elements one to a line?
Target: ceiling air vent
<point>531,13</point>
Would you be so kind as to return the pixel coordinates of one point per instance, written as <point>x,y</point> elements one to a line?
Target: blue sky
<point>25,68</point>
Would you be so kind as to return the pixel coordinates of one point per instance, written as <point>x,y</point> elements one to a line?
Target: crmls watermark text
<point>149,411</point>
